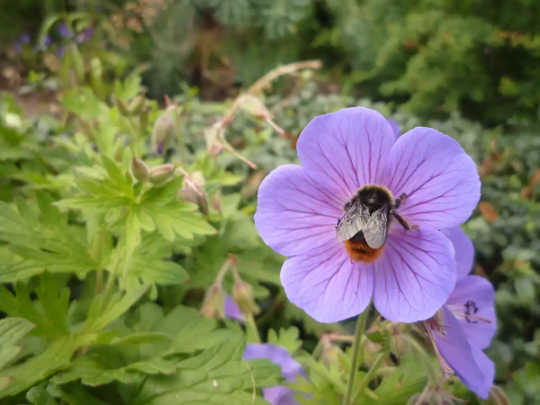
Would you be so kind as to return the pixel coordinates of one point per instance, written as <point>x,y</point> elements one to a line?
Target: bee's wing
<point>376,228</point>
<point>353,221</point>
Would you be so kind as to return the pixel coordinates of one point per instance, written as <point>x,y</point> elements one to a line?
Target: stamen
<point>468,312</point>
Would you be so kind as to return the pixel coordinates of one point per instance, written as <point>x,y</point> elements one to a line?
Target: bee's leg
<point>403,221</point>
<point>399,200</point>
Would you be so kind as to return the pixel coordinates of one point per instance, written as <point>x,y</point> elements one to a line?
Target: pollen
<point>361,252</point>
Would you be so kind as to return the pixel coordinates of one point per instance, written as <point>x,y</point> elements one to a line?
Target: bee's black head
<point>374,197</point>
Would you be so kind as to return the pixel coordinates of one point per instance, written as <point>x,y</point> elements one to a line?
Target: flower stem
<point>360,326</point>
<point>365,380</point>
<point>251,329</point>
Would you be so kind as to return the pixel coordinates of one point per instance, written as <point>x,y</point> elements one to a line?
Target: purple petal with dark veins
<point>415,274</point>
<point>439,179</point>
<point>327,284</point>
<point>469,363</point>
<point>346,150</point>
<point>293,214</point>
<point>473,303</point>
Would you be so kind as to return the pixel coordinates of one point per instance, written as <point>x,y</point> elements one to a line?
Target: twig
<point>268,78</point>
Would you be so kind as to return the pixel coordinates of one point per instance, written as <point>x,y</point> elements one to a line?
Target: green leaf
<point>83,102</point>
<point>38,395</point>
<point>151,262</point>
<point>56,357</point>
<point>287,338</point>
<point>99,317</point>
<point>403,382</point>
<point>215,376</point>
<point>127,89</point>
<point>172,217</point>
<point>11,331</point>
<point>41,238</point>
<point>48,312</point>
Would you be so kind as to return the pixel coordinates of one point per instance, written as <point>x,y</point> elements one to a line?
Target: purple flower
<point>24,39</point>
<point>46,42</point>
<point>85,35</point>
<point>290,369</point>
<point>411,273</point>
<point>466,324</point>
<point>232,310</point>
<point>60,52</point>
<point>64,30</point>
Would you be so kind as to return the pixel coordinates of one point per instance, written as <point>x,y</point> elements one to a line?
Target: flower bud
<point>243,296</point>
<point>193,191</point>
<point>139,169</point>
<point>164,128</point>
<point>213,304</point>
<point>161,173</point>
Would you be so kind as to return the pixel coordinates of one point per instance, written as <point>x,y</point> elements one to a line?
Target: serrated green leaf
<point>41,238</point>
<point>151,262</point>
<point>99,317</point>
<point>48,313</point>
<point>105,364</point>
<point>11,331</point>
<point>287,338</point>
<point>215,376</point>
<point>127,89</point>
<point>407,379</point>
<point>56,357</point>
<point>83,102</point>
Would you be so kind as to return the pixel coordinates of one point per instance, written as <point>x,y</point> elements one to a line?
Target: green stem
<point>251,329</point>
<point>360,326</point>
<point>374,367</point>
<point>108,287</point>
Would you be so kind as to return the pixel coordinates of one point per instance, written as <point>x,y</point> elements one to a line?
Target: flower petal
<point>440,180</point>
<point>488,370</point>
<point>470,364</point>
<point>290,368</point>
<point>279,395</point>
<point>293,213</point>
<point>474,296</point>
<point>326,284</point>
<point>395,127</point>
<point>415,274</point>
<point>345,150</point>
<point>232,310</point>
<point>464,250</point>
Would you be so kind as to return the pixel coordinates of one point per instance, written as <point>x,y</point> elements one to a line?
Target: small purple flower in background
<point>85,35</point>
<point>232,310</point>
<point>60,52</point>
<point>24,39</point>
<point>64,30</point>
<point>466,323</point>
<point>389,195</point>
<point>46,42</point>
<point>290,369</point>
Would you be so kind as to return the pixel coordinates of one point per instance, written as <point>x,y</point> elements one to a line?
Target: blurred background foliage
<point>468,68</point>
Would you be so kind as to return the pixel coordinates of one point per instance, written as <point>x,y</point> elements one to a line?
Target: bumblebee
<point>367,216</point>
